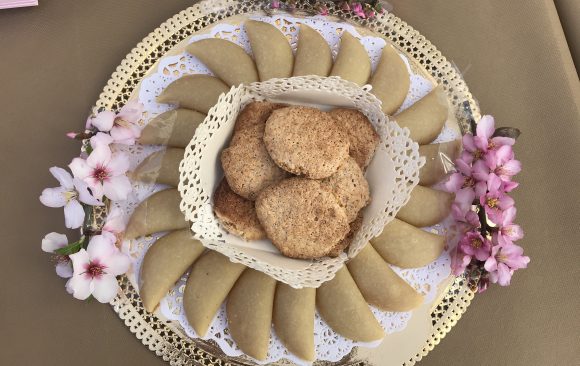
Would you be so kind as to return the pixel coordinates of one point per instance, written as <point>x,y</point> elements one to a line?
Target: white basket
<point>392,174</point>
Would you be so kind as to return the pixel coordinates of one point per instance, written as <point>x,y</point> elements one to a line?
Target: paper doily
<point>330,346</point>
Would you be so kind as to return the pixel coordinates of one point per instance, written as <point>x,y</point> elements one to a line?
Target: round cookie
<point>344,243</point>
<point>236,213</point>
<point>305,141</point>
<point>302,219</point>
<point>350,188</point>
<point>361,134</point>
<point>255,113</point>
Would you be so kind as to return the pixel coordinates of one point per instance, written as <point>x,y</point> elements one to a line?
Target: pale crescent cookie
<point>160,167</point>
<point>211,278</point>
<point>391,80</point>
<point>249,310</point>
<point>172,128</point>
<point>236,214</point>
<point>313,55</point>
<point>293,319</point>
<point>350,188</point>
<point>302,219</point>
<point>426,207</point>
<point>406,246</point>
<point>362,135</point>
<point>343,307</point>
<point>198,92</point>
<point>352,62</point>
<point>305,141</point>
<point>159,212</point>
<point>271,50</point>
<point>425,118</point>
<point>225,59</point>
<point>380,285</point>
<point>434,171</point>
<point>164,263</point>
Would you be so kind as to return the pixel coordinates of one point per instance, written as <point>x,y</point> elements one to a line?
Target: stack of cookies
<point>294,175</point>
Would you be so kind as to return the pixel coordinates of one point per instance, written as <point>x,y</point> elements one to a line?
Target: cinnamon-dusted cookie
<point>350,188</point>
<point>344,243</point>
<point>255,113</point>
<point>236,213</point>
<point>305,141</point>
<point>361,134</point>
<point>302,219</point>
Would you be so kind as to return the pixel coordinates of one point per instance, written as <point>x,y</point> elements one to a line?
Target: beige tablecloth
<point>55,59</point>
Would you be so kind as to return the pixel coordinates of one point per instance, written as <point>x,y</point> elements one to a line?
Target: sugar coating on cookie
<point>237,214</point>
<point>305,141</point>
<point>302,219</point>
<point>247,165</point>
<point>361,134</point>
<point>350,187</point>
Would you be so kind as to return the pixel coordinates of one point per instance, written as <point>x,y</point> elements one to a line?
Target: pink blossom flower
<point>357,8</point>
<point>274,4</point>
<point>115,224</point>
<point>71,191</point>
<point>476,146</point>
<point>101,138</point>
<point>504,260</point>
<point>95,270</point>
<point>502,163</point>
<point>475,245</point>
<point>464,178</point>
<point>104,172</point>
<point>459,262</point>
<point>495,201</point>
<point>462,204</point>
<point>323,10</point>
<point>50,244</point>
<point>508,232</point>
<point>123,125</point>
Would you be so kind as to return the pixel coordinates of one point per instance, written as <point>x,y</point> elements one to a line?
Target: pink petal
<point>503,154</point>
<point>80,168</point>
<point>468,143</point>
<point>123,135</point>
<point>454,183</point>
<point>490,264</point>
<point>64,270</point>
<point>104,120</point>
<point>53,197</point>
<point>117,264</point>
<point>119,164</point>
<point>493,184</point>
<point>131,111</point>
<point>467,157</point>
<point>508,216</point>
<point>63,177</point>
<point>79,260</point>
<point>101,138</point>
<point>491,159</point>
<point>504,275</point>
<point>74,214</point>
<point>117,188</point>
<point>511,168</point>
<point>485,127</point>
<point>509,186</point>
<point>463,167</point>
<point>472,218</point>
<point>505,202</point>
<point>480,188</point>
<point>515,232</point>
<point>99,157</point>
<point>115,222</point>
<point>106,288</point>
<point>481,143</point>
<point>480,170</point>
<point>100,248</point>
<point>80,286</point>
<point>53,241</point>
<point>84,195</point>
<point>500,141</point>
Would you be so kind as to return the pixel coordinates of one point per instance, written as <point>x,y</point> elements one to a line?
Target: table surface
<point>56,58</point>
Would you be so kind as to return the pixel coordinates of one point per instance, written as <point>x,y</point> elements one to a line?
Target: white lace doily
<point>329,345</point>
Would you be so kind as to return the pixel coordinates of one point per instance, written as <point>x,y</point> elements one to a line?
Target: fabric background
<point>56,58</point>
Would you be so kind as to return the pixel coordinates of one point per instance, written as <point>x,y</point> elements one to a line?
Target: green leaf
<point>72,248</point>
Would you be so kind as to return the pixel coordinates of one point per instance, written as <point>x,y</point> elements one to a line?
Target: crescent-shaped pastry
<point>159,212</point>
<point>426,207</point>
<point>293,319</point>
<point>426,117</point>
<point>211,279</point>
<point>380,285</point>
<point>226,60</point>
<point>352,62</point>
<point>198,92</point>
<point>172,128</point>
<point>164,263</point>
<point>406,246</point>
<point>313,55</point>
<point>249,309</point>
<point>433,171</point>
<point>344,308</point>
<point>391,80</point>
<point>160,167</point>
<point>271,50</point>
